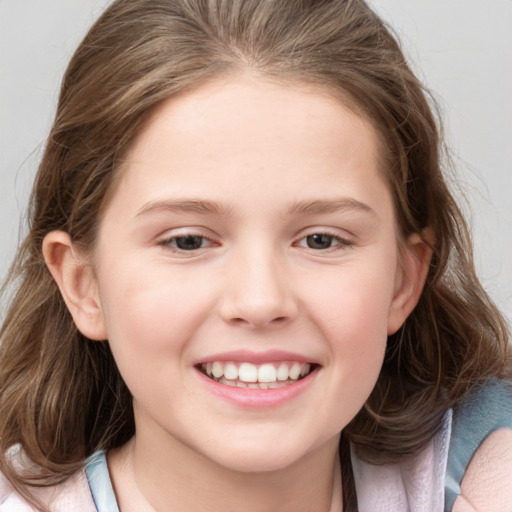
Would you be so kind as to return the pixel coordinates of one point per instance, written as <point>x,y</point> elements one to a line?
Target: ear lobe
<point>77,284</point>
<point>415,258</point>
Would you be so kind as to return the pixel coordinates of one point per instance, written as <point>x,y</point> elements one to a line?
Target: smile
<point>256,376</point>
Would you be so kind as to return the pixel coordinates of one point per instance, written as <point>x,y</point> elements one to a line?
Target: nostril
<point>257,309</point>
<point>258,322</point>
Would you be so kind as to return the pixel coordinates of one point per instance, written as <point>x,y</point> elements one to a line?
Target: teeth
<point>282,372</point>
<point>231,371</point>
<point>248,372</point>
<point>222,380</point>
<point>217,370</point>
<point>264,376</point>
<point>295,371</point>
<point>278,384</point>
<point>267,373</point>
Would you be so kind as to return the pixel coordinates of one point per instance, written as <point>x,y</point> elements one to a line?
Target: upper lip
<point>268,356</point>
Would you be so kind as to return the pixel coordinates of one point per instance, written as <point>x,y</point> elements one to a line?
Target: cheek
<point>354,323</point>
<point>151,320</point>
<point>357,301</point>
<point>149,315</point>
<point>352,313</point>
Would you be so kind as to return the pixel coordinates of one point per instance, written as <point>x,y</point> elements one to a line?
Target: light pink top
<point>416,485</point>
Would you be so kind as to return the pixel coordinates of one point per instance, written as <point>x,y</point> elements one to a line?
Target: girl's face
<point>248,272</point>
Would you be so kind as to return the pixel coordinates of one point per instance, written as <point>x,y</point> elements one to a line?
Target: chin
<point>254,461</point>
<point>273,454</point>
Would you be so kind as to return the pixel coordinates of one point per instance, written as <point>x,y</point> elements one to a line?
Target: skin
<point>254,169</point>
<point>487,482</point>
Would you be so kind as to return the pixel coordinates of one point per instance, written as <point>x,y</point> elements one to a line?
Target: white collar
<point>415,485</point>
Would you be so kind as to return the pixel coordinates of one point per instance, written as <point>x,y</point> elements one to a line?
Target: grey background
<point>461,49</point>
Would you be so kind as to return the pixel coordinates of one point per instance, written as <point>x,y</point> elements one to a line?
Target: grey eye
<point>189,242</point>
<point>319,241</point>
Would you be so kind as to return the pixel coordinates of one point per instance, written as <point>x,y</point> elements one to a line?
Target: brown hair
<point>61,395</point>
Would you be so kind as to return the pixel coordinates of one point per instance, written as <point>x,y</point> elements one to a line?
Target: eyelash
<point>342,243</point>
<point>172,243</point>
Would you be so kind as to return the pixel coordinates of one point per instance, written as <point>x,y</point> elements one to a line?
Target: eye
<point>323,242</point>
<point>186,243</point>
<point>320,241</point>
<point>190,242</point>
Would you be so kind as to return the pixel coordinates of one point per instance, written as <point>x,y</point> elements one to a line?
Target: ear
<point>415,259</point>
<point>77,283</point>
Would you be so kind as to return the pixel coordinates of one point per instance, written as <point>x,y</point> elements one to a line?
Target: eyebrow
<point>205,207</point>
<point>186,205</point>
<point>317,207</point>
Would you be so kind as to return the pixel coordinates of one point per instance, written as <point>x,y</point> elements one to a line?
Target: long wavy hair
<point>61,395</point>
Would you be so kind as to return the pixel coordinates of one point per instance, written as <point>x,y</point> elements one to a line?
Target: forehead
<point>245,104</point>
<point>251,134</point>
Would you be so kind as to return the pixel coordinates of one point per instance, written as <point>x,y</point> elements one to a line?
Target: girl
<point>246,285</point>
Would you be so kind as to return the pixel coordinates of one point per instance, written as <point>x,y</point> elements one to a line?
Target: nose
<point>258,292</point>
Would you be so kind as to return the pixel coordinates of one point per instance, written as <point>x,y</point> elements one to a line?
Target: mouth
<point>270,375</point>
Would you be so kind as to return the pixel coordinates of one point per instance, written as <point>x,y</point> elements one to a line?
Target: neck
<point>148,478</point>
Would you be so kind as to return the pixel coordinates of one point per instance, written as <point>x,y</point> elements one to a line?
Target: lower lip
<point>257,398</point>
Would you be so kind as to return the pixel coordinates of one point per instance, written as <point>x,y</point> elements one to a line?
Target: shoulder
<point>487,483</point>
<point>481,449</point>
<point>72,495</point>
<point>10,500</point>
